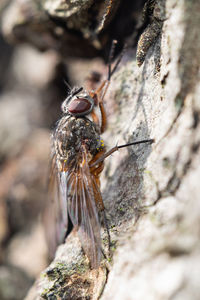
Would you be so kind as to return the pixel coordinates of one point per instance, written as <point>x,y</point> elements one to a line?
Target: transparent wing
<point>82,208</point>
<point>76,193</point>
<point>55,214</point>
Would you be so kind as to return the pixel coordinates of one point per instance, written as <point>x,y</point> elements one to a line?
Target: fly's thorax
<point>71,133</point>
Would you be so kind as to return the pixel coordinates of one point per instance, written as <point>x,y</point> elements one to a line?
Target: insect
<point>77,162</point>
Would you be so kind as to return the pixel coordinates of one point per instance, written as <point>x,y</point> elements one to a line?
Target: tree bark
<point>150,192</point>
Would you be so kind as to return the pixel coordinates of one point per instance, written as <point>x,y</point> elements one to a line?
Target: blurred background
<point>41,44</point>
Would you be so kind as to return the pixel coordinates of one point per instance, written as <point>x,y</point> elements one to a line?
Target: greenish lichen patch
<point>61,278</point>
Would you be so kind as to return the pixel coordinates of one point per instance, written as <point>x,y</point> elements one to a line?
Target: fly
<point>77,161</point>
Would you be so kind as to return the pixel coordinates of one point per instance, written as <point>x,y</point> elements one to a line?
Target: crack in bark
<point>175,180</point>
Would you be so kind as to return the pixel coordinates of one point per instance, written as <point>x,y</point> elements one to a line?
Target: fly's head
<point>79,103</point>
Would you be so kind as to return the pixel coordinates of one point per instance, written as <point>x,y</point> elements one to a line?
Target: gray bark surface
<point>158,254</point>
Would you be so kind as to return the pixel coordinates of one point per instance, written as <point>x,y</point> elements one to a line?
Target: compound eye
<point>80,106</point>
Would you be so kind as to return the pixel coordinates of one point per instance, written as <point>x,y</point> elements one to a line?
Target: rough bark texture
<point>151,192</point>
<point>73,28</point>
<point>158,257</point>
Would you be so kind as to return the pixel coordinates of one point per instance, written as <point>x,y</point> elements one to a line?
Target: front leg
<point>99,95</point>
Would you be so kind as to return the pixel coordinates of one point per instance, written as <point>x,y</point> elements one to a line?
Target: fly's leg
<point>94,159</point>
<point>99,102</point>
<point>96,166</point>
<point>96,170</point>
<point>95,118</point>
<point>100,93</point>
<point>116,148</point>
